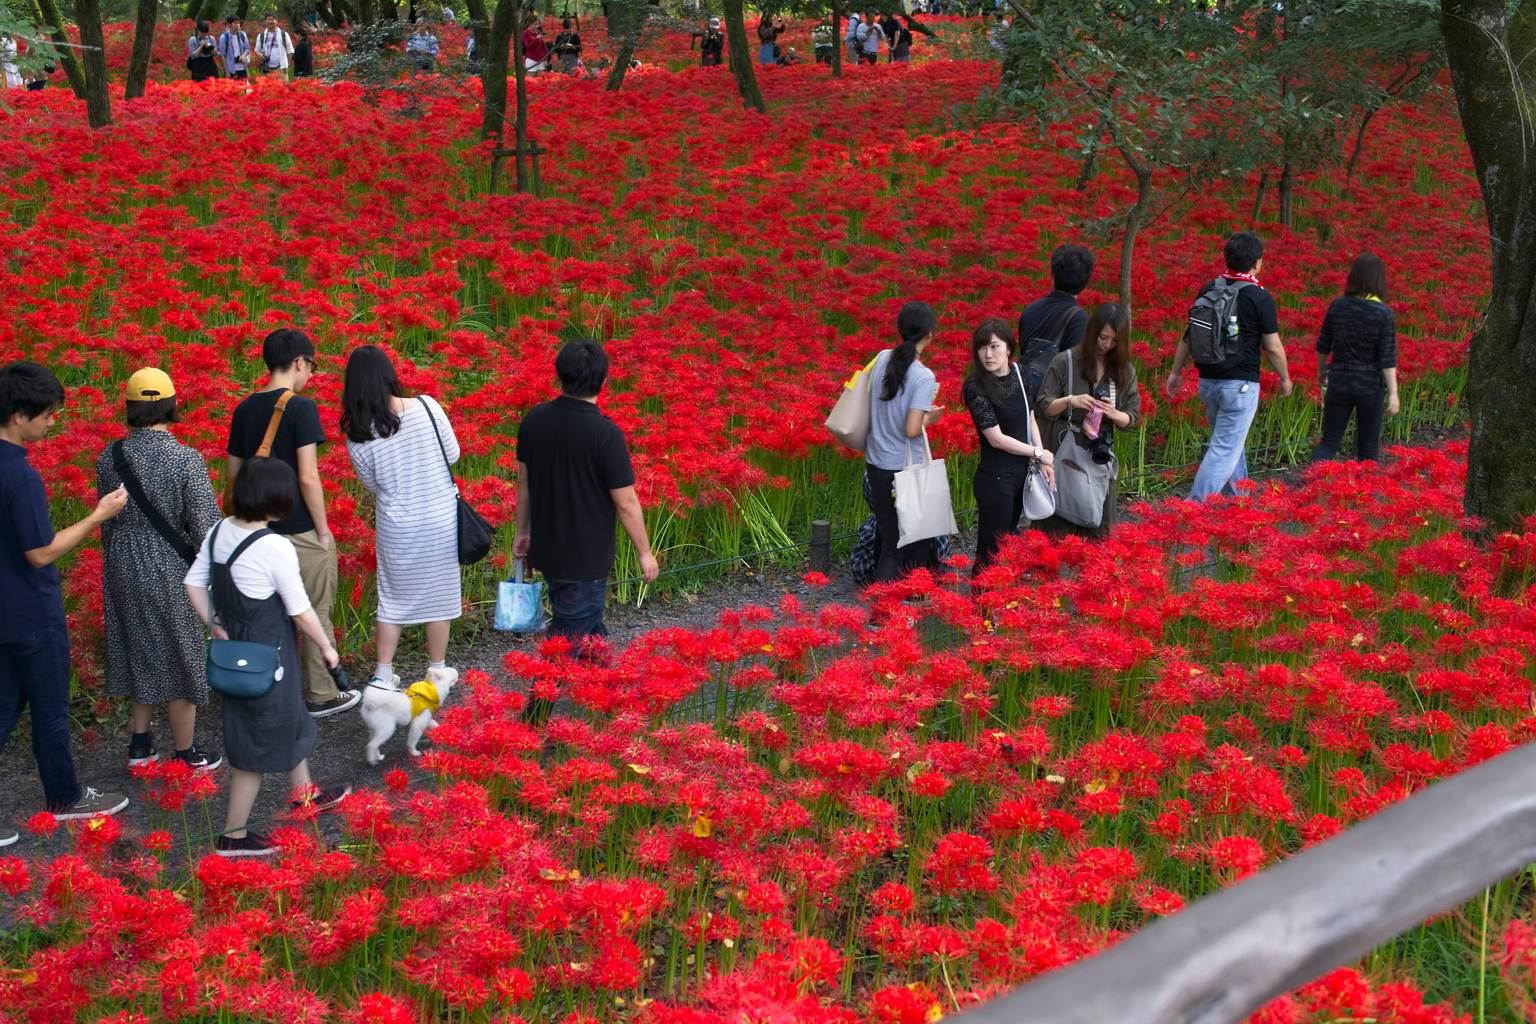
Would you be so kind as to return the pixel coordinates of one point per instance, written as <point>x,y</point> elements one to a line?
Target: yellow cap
<point>150,385</point>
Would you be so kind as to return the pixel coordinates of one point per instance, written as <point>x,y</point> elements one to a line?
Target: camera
<point>1102,448</point>
<point>206,50</point>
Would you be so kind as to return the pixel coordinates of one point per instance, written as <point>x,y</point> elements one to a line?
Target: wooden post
<point>821,545</point>
<point>533,151</point>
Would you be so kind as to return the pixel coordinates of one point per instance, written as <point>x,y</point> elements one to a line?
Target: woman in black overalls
<point>241,558</point>
<point>994,394</point>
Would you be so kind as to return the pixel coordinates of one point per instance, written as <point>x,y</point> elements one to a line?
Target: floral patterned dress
<point>156,651</point>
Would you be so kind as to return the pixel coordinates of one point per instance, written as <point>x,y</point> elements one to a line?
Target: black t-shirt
<point>575,455</point>
<point>300,426</point>
<point>1041,315</point>
<point>1255,318</point>
<point>1361,336</point>
<point>1011,413</point>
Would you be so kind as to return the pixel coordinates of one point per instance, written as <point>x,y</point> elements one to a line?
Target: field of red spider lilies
<point>797,816</point>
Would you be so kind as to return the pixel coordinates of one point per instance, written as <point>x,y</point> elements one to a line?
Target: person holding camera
<point>422,48</point>
<point>768,33</point>
<point>201,48</point>
<point>1101,397</point>
<point>712,48</point>
<point>274,47</point>
<point>235,48</point>
<point>567,48</point>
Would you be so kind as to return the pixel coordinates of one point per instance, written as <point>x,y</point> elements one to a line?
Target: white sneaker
<point>91,804</point>
<point>8,836</point>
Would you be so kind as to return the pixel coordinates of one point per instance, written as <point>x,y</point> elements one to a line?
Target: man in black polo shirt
<point>34,634</point>
<point>574,479</point>
<point>1071,270</point>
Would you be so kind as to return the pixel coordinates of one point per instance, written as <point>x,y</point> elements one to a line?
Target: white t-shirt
<point>276,46</point>
<point>269,566</point>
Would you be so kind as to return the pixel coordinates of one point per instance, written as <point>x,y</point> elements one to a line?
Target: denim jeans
<point>1337,407</point>
<point>1230,406</point>
<point>34,672</point>
<point>576,609</point>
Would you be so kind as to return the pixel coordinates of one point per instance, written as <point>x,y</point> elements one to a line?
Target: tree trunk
<point>143,45</point>
<point>493,73</point>
<point>1287,185</point>
<point>480,25</point>
<point>1090,161</point>
<point>837,39</point>
<point>741,57</point>
<point>520,69</point>
<point>1354,158</point>
<point>93,55</point>
<point>48,15</point>
<point>1133,222</point>
<point>194,8</point>
<point>627,16</point>
<point>1493,101</point>
<point>243,10</point>
<point>1258,198</point>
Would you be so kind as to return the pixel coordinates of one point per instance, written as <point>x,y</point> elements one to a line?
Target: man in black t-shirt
<point>290,358</point>
<point>1231,396</point>
<point>1071,270</point>
<point>574,480</point>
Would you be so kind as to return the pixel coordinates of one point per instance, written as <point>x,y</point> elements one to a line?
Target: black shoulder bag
<point>474,532</point>
<point>130,479</point>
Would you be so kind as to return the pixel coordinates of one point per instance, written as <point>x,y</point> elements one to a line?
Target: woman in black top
<point>303,55</point>
<point>1359,332</point>
<point>901,42</point>
<point>567,47</point>
<point>994,394</point>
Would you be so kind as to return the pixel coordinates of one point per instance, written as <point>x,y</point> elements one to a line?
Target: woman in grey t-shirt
<point>898,413</point>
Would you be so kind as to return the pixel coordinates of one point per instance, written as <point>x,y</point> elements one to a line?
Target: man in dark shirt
<point>574,479</point>
<point>290,359</point>
<point>34,635</point>
<point>1071,270</point>
<point>1231,396</point>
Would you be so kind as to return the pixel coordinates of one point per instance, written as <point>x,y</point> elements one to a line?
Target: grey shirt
<point>888,442</point>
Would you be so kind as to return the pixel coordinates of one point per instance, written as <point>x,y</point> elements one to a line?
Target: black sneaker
<point>200,760</point>
<point>345,700</point>
<point>141,753</point>
<point>252,844</point>
<point>321,800</point>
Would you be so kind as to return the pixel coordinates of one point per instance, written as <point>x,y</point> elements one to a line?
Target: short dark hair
<point>582,367</point>
<point>266,489</point>
<point>1368,276</point>
<point>231,19</point>
<point>1071,268</point>
<point>1242,251</point>
<point>152,414</point>
<point>203,26</point>
<point>28,389</point>
<point>566,23</point>
<point>284,345</point>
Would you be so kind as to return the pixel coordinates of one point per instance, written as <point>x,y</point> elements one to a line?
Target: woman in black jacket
<point>1361,378</point>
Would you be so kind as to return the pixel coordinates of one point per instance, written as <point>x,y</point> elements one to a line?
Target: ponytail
<point>914,323</point>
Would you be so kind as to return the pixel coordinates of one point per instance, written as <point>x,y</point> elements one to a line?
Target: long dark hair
<point>914,323</point>
<point>370,384</point>
<point>996,327</point>
<point>1367,277</point>
<point>1113,316</point>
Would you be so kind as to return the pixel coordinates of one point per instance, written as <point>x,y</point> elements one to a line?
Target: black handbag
<point>162,526</point>
<point>240,668</point>
<point>474,532</point>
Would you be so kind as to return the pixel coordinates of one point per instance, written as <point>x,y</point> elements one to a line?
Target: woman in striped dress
<point>398,457</point>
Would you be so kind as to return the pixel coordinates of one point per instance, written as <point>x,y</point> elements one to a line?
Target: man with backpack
<point>1232,321</point>
<point>1054,323</point>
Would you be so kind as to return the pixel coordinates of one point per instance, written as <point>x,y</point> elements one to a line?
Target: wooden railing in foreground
<point>1224,956</point>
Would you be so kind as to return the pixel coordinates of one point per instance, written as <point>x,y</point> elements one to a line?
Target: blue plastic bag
<point>519,605</point>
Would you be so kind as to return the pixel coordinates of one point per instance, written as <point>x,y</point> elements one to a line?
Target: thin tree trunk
<point>493,73</point>
<point>837,39</point>
<point>1133,221</point>
<point>1287,186</point>
<point>1090,161</point>
<point>48,14</point>
<point>1258,198</point>
<point>630,16</point>
<point>1494,102</point>
<point>143,45</point>
<point>1354,158</point>
<point>741,57</point>
<point>519,67</point>
<point>194,8</point>
<point>93,55</point>
<point>243,10</point>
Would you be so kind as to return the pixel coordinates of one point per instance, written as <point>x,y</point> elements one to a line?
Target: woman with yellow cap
<point>156,651</point>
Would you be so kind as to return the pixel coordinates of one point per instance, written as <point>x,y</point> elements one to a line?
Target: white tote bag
<point>923,506</point>
<point>849,419</point>
<point>1039,499</point>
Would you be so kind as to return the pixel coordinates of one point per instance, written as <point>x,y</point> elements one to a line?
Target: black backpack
<point>1035,354</point>
<point>1215,342</point>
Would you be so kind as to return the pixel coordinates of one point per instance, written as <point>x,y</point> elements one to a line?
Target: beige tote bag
<point>849,420</point>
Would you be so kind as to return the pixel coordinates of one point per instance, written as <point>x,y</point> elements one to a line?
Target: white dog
<point>385,710</point>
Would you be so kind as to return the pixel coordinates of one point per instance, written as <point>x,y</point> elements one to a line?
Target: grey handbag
<point>1081,483</point>
<point>1039,502</point>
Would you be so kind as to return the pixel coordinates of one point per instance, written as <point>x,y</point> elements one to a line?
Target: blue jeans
<point>1230,406</point>
<point>576,609</point>
<point>35,672</point>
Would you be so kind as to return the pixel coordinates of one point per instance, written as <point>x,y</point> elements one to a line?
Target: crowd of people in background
<point>1052,399</point>
<point>176,570</point>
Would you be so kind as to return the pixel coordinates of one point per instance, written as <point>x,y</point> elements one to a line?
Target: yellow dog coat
<point>423,697</point>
